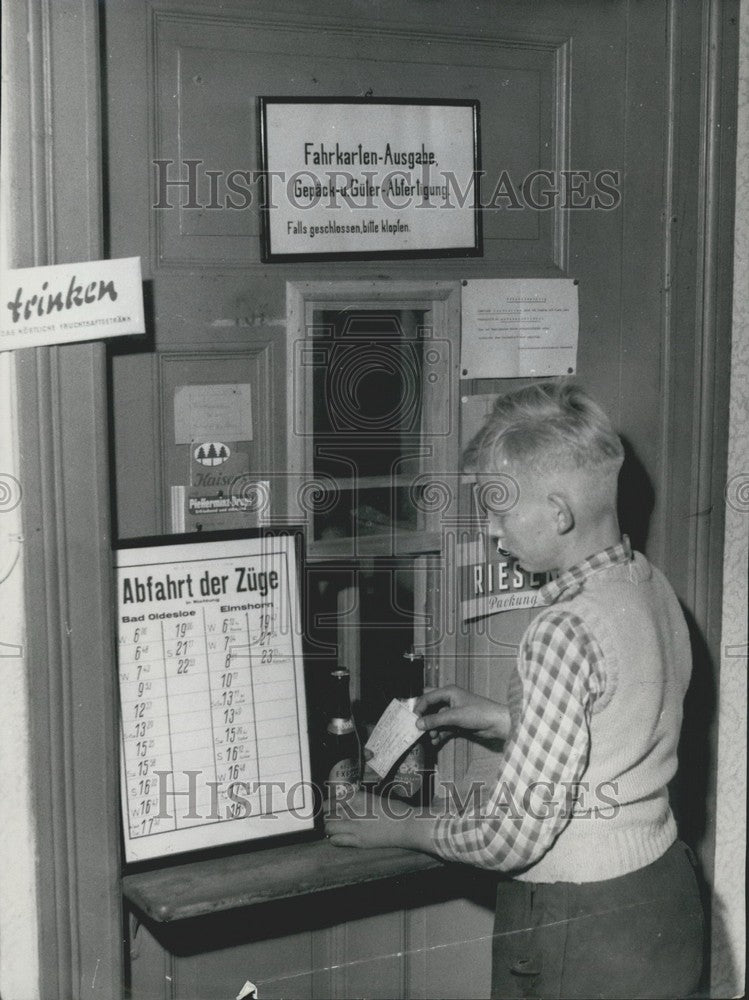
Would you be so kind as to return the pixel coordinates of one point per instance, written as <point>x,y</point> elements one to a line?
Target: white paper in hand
<point>392,736</point>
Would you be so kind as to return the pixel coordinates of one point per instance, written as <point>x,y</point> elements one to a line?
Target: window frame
<point>426,546</point>
<point>442,301</point>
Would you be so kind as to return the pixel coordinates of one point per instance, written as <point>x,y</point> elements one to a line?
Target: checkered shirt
<point>561,673</point>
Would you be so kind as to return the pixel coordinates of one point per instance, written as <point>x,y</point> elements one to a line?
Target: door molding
<point>62,421</point>
<point>696,316</point>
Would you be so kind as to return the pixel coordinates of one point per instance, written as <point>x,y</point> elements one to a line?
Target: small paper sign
<point>518,327</point>
<point>64,303</point>
<point>212,412</point>
<point>392,736</point>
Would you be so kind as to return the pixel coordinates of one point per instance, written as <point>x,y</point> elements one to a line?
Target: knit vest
<point>622,820</point>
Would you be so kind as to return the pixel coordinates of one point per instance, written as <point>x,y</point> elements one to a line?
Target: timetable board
<point>214,746</point>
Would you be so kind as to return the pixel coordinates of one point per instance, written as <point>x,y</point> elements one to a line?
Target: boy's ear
<point>563,515</point>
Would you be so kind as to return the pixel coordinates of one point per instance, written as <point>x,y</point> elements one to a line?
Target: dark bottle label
<point>411,775</point>
<point>344,772</point>
<point>343,776</point>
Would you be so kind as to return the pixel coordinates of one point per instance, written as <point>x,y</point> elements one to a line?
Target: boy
<point>603,901</point>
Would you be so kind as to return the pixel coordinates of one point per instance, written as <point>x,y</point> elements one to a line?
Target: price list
<point>213,717</point>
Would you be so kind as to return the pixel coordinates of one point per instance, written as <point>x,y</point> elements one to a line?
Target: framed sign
<point>214,746</point>
<point>355,178</point>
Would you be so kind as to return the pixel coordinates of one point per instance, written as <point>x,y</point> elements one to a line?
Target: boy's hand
<point>358,822</point>
<point>458,709</point>
<point>367,821</point>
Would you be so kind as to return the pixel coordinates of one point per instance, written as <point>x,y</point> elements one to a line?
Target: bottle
<point>342,754</point>
<point>411,778</point>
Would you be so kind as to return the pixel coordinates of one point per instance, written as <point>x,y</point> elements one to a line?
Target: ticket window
<point>374,384</point>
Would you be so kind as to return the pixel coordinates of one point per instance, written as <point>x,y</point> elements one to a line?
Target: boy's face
<point>521,517</point>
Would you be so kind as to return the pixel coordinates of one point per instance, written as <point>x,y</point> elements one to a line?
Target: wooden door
<point>604,161</point>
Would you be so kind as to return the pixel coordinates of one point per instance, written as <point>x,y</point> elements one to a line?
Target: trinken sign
<point>63,303</point>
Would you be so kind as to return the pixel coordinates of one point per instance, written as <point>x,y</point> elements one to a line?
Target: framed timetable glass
<point>214,745</point>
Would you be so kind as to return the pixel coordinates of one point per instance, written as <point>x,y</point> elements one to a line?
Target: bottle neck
<point>410,678</point>
<point>340,719</point>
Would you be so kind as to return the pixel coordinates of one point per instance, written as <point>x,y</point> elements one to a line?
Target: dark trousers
<point>640,935</point>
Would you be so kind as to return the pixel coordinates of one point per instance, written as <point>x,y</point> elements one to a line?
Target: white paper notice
<point>392,736</point>
<point>212,413</point>
<point>524,327</point>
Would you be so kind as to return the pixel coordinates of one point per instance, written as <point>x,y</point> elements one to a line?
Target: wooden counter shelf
<point>212,886</point>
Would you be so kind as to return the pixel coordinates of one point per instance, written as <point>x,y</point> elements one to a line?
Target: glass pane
<point>367,399</point>
<point>367,391</point>
<point>387,631</point>
<point>384,627</point>
<point>366,512</point>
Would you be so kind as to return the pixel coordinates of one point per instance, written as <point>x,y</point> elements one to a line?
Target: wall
<point>19,968</point>
<point>642,88</point>
<point>729,931</point>
<point>65,937</point>
<point>18,900</point>
<point>647,312</point>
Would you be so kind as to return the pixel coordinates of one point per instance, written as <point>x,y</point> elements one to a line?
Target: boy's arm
<point>562,672</point>
<point>371,821</point>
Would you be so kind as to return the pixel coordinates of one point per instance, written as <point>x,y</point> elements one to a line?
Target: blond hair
<point>548,426</point>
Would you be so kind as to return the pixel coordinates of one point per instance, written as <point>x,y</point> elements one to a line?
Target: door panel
<point>580,86</point>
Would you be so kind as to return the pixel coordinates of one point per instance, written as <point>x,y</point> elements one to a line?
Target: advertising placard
<point>64,303</point>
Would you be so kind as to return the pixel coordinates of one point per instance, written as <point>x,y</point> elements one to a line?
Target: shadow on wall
<point>635,498</point>
<point>692,792</point>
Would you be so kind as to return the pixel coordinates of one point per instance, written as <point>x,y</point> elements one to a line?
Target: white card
<point>392,736</point>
